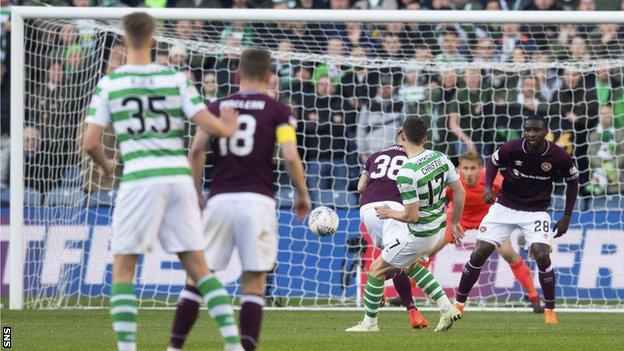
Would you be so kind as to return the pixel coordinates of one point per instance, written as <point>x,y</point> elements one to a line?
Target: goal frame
<point>20,13</point>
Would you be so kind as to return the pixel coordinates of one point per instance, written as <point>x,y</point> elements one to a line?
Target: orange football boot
<point>417,320</point>
<point>550,317</point>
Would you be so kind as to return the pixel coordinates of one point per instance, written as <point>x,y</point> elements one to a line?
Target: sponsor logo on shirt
<point>518,163</point>
<point>482,229</point>
<point>546,166</point>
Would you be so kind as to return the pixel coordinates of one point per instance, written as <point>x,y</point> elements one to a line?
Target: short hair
<point>471,156</point>
<point>138,27</point>
<point>254,64</point>
<point>415,130</point>
<point>538,118</point>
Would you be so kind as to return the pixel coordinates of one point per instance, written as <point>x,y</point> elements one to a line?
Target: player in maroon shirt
<point>377,186</point>
<point>240,213</point>
<point>530,166</point>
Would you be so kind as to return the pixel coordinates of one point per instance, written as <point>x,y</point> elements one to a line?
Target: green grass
<point>316,330</point>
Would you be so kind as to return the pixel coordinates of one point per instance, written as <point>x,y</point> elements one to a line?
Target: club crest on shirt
<point>482,229</point>
<point>546,166</point>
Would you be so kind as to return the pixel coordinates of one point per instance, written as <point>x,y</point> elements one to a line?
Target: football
<point>323,221</point>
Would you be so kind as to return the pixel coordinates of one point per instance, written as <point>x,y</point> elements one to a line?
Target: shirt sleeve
<point>500,157</point>
<point>192,102</point>
<point>99,111</point>
<point>453,176</point>
<point>568,169</point>
<point>285,125</point>
<point>407,186</point>
<point>366,167</point>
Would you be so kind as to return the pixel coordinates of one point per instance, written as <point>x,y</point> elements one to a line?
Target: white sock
<point>369,321</point>
<point>126,346</point>
<point>172,349</point>
<point>444,303</point>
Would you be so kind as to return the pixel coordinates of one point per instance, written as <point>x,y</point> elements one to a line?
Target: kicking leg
<point>123,304</point>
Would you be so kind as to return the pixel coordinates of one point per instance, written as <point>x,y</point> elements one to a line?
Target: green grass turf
<point>316,330</point>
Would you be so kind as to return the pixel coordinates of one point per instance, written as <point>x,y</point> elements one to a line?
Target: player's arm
<point>498,159</point>
<point>362,182</point>
<point>194,108</point>
<point>409,196</point>
<point>572,187</point>
<point>459,198</point>
<point>287,139</point>
<point>98,118</point>
<point>197,159</point>
<point>92,144</point>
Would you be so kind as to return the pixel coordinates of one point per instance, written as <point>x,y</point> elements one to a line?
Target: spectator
<point>549,81</point>
<point>530,100</point>
<point>450,47</point>
<point>272,87</point>
<point>5,126</point>
<point>586,5</point>
<point>606,42</point>
<point>284,66</point>
<point>226,67</point>
<point>471,118</point>
<point>74,59</point>
<point>573,113</point>
<point>116,58</point>
<point>186,30</point>
<point>543,34</point>
<point>178,56</point>
<point>606,155</point>
<point>415,92</point>
<point>335,47</point>
<point>376,5</point>
<point>323,128</point>
<point>358,36</point>
<point>5,30</point>
<point>378,124</point>
<point>358,86</point>
<point>578,50</point>
<point>240,30</point>
<point>510,39</point>
<point>610,91</point>
<point>209,87</point>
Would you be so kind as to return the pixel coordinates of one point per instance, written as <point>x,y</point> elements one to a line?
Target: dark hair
<point>415,130</point>
<point>538,118</point>
<point>138,27</point>
<point>254,64</point>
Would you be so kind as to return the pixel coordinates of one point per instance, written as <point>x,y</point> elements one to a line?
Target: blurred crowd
<point>345,112</point>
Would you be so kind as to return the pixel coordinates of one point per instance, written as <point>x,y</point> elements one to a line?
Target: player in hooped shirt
<point>377,186</point>
<point>240,213</point>
<point>531,165</point>
<point>472,175</point>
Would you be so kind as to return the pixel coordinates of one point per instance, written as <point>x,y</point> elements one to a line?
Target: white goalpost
<point>352,77</point>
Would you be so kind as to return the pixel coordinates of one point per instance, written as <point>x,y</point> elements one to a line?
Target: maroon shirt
<point>243,162</point>
<point>382,168</point>
<point>528,179</point>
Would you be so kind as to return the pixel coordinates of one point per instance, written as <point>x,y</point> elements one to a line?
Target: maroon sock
<point>404,288</point>
<point>186,314</point>
<point>470,275</point>
<point>547,281</point>
<point>250,320</point>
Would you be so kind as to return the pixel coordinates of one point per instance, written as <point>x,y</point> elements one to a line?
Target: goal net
<point>350,84</point>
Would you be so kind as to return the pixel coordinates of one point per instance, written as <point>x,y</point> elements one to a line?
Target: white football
<point>323,221</point>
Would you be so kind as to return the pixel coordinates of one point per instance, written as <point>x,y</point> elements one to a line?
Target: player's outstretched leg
<point>471,272</point>
<point>214,297</point>
<point>123,303</point>
<point>547,279</point>
<point>403,287</point>
<point>427,283</point>
<point>522,272</point>
<point>187,311</point>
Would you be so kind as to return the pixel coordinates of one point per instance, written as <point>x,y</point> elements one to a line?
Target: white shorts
<point>374,225</point>
<point>501,221</point>
<point>247,221</point>
<point>167,211</point>
<point>402,248</point>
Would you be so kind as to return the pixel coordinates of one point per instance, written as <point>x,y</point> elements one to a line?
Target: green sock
<point>219,307</point>
<point>428,283</point>
<point>123,310</point>
<point>373,292</point>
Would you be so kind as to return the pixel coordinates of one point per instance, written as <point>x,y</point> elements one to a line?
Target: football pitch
<point>324,330</point>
